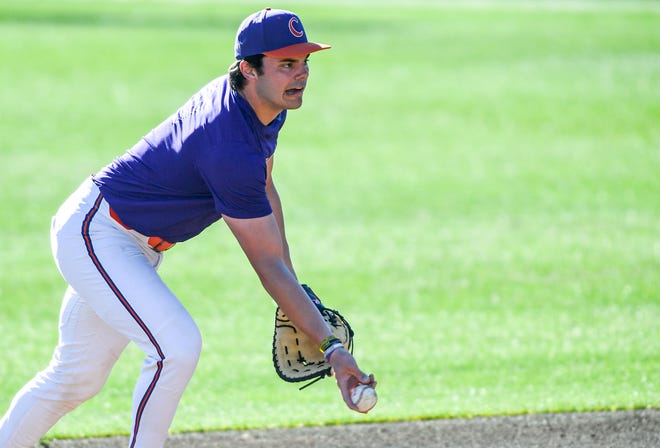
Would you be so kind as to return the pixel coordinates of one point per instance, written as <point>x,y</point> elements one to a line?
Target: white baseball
<point>364,397</point>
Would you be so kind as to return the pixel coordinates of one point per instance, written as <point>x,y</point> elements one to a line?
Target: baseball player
<point>211,160</point>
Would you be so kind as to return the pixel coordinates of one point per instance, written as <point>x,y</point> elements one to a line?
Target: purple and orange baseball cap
<point>274,32</point>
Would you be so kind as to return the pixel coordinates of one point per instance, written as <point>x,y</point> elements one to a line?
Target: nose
<point>303,73</point>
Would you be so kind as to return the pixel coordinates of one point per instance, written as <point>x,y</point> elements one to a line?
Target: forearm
<point>285,290</point>
<point>259,238</point>
<point>261,241</point>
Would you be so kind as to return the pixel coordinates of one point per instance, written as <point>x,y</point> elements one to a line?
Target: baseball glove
<point>295,356</point>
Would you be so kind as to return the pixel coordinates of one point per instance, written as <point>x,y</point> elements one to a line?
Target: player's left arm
<point>276,206</point>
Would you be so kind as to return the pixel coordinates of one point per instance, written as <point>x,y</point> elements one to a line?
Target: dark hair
<point>236,78</point>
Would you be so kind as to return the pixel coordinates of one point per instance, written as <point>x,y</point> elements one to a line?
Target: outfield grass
<point>475,186</point>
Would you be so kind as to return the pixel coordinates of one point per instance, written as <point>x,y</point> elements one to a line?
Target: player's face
<point>283,82</point>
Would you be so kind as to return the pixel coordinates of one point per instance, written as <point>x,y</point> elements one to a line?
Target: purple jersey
<point>205,161</point>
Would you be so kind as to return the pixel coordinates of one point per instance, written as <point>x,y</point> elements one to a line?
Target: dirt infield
<point>624,429</point>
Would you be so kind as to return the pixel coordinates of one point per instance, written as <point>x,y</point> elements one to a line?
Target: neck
<point>264,111</point>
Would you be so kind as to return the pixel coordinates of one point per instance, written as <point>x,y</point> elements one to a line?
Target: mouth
<point>296,91</point>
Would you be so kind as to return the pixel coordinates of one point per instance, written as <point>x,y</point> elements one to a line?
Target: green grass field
<point>475,185</point>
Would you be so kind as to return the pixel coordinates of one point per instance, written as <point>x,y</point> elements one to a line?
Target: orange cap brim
<point>295,50</point>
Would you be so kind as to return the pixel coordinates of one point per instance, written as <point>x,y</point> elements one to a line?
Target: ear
<point>247,70</point>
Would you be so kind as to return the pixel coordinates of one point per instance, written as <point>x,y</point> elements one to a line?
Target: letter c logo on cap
<point>293,30</point>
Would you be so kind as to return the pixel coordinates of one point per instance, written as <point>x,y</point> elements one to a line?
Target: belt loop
<point>158,244</point>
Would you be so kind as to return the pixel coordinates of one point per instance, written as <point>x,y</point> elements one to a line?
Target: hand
<point>348,375</point>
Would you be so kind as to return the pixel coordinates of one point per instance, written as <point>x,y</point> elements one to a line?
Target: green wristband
<point>329,342</point>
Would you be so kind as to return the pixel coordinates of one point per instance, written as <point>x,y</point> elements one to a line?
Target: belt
<point>155,242</point>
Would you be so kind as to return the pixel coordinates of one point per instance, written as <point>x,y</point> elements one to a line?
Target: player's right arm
<point>261,240</point>
<point>276,206</point>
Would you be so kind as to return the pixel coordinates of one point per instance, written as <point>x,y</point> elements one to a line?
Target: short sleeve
<point>236,177</point>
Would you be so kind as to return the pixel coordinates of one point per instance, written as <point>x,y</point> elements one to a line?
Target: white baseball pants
<point>114,296</point>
